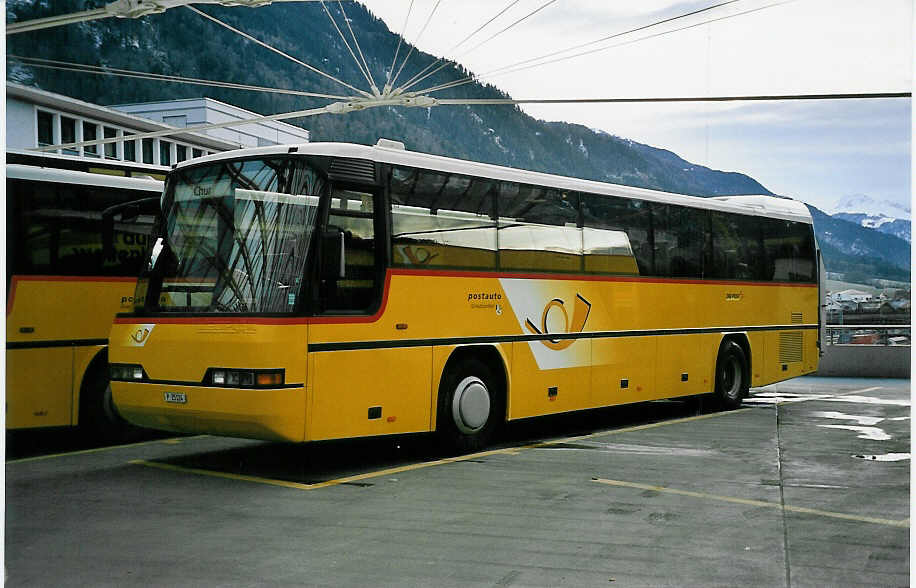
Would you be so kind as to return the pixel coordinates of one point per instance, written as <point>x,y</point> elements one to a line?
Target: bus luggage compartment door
<point>369,392</point>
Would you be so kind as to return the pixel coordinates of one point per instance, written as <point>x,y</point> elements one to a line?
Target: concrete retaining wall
<point>865,361</point>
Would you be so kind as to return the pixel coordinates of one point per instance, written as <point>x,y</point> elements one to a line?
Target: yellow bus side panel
<point>790,354</point>
<point>531,393</point>
<point>624,358</point>
<point>38,387</point>
<point>57,309</point>
<point>693,355</point>
<point>43,384</point>
<point>345,385</point>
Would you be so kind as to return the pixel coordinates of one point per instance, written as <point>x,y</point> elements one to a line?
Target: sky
<point>815,151</point>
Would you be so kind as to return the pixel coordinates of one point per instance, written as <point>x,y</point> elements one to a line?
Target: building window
<point>130,147</point>
<point>111,149</point>
<point>198,153</point>
<point>89,134</point>
<point>45,128</point>
<point>181,153</point>
<point>165,153</point>
<point>147,151</point>
<point>68,133</point>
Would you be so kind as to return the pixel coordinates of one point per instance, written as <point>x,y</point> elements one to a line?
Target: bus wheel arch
<point>97,415</point>
<point>732,375</point>
<point>472,398</point>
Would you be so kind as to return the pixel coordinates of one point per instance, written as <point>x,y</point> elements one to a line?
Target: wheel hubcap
<point>731,378</point>
<point>471,405</point>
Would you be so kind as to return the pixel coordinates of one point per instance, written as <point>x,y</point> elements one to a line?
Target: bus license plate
<point>176,397</point>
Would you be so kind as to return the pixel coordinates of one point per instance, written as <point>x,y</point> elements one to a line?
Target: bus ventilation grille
<point>790,347</point>
<point>797,318</point>
<point>352,170</point>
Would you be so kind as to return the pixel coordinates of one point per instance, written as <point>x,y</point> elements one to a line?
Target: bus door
<point>362,381</point>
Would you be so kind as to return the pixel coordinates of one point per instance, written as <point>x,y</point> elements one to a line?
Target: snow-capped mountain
<point>872,206</point>
<point>886,216</point>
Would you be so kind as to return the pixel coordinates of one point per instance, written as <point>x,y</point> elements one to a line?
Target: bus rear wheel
<point>470,406</point>
<point>732,377</point>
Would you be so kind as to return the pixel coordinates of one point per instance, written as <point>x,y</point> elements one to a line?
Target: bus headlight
<point>125,372</point>
<point>238,378</point>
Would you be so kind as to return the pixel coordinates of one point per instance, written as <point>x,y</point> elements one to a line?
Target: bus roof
<point>15,171</point>
<point>393,152</point>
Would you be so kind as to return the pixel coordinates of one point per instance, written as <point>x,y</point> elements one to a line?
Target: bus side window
<point>538,229</point>
<point>624,227</point>
<point>442,220</point>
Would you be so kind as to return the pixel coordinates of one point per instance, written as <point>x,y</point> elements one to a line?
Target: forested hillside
<point>180,42</point>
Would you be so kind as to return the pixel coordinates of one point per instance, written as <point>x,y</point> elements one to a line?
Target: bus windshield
<point>234,237</point>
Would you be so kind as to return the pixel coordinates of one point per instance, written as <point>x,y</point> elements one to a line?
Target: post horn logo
<point>140,334</point>
<point>581,308</point>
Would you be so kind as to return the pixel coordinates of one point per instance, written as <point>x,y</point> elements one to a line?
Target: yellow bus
<point>76,233</point>
<point>332,290</point>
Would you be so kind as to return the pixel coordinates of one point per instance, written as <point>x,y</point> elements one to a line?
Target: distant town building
<point>36,118</point>
<point>852,296</point>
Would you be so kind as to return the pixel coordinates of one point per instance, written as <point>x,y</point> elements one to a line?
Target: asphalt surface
<point>806,486</point>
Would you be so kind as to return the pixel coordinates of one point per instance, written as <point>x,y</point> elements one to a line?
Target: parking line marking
<point>334,482</point>
<point>422,465</point>
<point>170,441</point>
<point>217,474</point>
<point>635,428</point>
<point>749,502</point>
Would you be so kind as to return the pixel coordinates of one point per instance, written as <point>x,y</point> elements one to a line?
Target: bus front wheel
<point>732,377</point>
<point>469,409</point>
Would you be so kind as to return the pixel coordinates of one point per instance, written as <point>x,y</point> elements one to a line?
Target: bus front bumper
<point>270,414</point>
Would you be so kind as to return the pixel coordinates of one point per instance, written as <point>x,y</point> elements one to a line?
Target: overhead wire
<point>417,40</point>
<point>509,68</point>
<point>498,33</point>
<point>358,48</point>
<point>622,33</point>
<point>414,80</point>
<point>359,65</point>
<point>278,52</point>
<point>398,48</point>
<point>735,98</point>
<point>105,70</point>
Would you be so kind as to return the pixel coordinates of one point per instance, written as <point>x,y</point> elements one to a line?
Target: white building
<point>37,118</point>
<point>198,111</point>
<point>853,296</point>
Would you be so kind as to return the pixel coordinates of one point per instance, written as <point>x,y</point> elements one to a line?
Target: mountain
<point>899,227</point>
<point>180,42</point>
<point>863,203</point>
<point>885,216</point>
<point>859,252</point>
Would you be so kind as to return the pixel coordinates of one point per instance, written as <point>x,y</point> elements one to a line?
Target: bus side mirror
<point>333,254</point>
